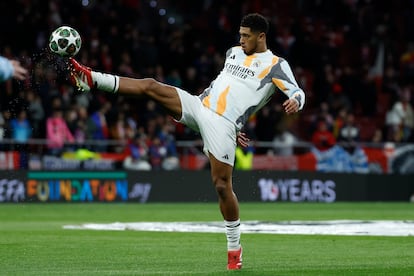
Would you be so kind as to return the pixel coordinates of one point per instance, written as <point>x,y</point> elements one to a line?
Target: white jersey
<point>246,84</point>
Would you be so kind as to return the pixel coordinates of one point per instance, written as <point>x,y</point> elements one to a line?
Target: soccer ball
<point>65,41</point>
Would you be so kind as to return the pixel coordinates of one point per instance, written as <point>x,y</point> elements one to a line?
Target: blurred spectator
<point>323,113</point>
<point>393,122</point>
<point>83,99</point>
<point>408,120</point>
<point>157,152</point>
<point>137,158</point>
<point>337,99</point>
<point>378,136</point>
<point>323,139</point>
<point>350,131</point>
<point>71,118</point>
<point>98,126</point>
<point>284,141</point>
<point>166,134</point>
<point>339,121</point>
<point>162,148</point>
<point>119,130</point>
<point>6,116</point>
<point>58,133</point>
<point>400,118</point>
<point>171,162</point>
<point>80,130</point>
<point>36,113</point>
<point>21,132</point>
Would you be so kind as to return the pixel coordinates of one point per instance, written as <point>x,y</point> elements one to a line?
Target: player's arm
<point>11,68</point>
<point>285,81</point>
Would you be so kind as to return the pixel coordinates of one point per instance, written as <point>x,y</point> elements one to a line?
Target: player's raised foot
<point>234,259</point>
<point>80,75</point>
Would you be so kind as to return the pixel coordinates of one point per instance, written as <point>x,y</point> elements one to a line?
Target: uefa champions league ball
<point>65,41</point>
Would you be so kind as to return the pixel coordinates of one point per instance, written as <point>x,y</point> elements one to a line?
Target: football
<point>65,41</point>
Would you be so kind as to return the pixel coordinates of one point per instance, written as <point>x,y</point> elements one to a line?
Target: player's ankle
<point>105,82</point>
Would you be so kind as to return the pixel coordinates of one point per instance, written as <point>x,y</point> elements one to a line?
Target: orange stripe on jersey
<point>279,84</point>
<point>267,69</point>
<point>206,101</point>
<point>248,61</point>
<point>222,102</point>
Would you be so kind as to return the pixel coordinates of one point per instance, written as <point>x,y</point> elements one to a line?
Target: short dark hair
<point>256,22</point>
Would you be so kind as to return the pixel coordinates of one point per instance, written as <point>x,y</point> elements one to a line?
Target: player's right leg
<point>86,79</point>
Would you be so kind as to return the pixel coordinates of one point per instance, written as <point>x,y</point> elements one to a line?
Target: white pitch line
<point>332,227</point>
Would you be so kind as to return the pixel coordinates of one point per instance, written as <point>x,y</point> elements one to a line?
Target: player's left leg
<point>164,94</point>
<point>86,79</point>
<point>221,174</point>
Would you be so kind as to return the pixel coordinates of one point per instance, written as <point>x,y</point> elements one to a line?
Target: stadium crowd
<point>353,58</point>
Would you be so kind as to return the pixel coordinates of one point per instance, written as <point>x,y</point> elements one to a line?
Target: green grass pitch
<point>33,242</point>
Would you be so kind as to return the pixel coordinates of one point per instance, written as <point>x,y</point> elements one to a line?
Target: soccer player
<point>250,76</point>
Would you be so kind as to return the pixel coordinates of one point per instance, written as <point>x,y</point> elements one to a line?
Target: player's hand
<point>291,106</point>
<point>19,72</point>
<point>242,140</point>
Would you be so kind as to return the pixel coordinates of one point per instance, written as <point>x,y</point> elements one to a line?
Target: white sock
<point>233,234</point>
<point>105,82</point>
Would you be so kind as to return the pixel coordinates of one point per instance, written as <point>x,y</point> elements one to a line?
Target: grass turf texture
<point>32,241</point>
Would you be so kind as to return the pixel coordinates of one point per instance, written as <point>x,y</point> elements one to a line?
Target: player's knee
<point>222,187</point>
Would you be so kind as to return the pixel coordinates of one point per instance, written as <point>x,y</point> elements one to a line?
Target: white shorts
<point>218,133</point>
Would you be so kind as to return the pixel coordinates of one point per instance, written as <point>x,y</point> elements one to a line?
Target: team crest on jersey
<point>256,64</point>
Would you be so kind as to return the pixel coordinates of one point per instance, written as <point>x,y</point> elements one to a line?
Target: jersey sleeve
<point>285,81</point>
<point>228,52</point>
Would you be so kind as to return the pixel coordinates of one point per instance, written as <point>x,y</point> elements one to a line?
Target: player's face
<point>249,40</point>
